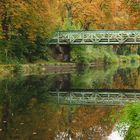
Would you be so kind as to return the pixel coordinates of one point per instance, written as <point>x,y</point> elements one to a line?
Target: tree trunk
<point>69,14</point>
<point>5,26</point>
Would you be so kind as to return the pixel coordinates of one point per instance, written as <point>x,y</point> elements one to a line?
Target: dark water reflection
<point>99,78</point>
<point>26,113</point>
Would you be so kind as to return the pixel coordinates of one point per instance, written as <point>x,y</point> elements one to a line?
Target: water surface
<point>26,112</point>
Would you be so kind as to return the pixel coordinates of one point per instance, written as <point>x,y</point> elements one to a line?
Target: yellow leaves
<point>18,26</point>
<point>99,12</point>
<point>91,11</point>
<point>37,17</point>
<point>87,13</point>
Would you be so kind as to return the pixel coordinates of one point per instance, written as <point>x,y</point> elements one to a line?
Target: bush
<point>89,54</point>
<point>17,69</point>
<point>131,116</point>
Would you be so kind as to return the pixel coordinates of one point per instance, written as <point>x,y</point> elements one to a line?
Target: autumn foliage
<point>26,25</point>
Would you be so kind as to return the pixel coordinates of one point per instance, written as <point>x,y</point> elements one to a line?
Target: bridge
<point>98,98</point>
<point>96,37</point>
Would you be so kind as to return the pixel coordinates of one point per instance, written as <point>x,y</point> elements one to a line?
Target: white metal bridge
<point>96,37</point>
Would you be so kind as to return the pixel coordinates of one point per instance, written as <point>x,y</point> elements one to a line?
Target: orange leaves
<point>43,16</point>
<point>92,13</point>
<point>37,17</point>
<point>107,14</point>
<point>132,7</point>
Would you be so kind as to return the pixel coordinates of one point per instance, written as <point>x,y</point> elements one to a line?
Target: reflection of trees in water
<point>36,119</point>
<point>61,82</point>
<point>126,79</point>
<point>21,90</point>
<point>25,113</point>
<point>94,78</point>
<point>112,77</point>
<point>15,95</point>
<point>88,123</point>
<point>6,114</point>
<point>89,133</point>
<point>138,69</point>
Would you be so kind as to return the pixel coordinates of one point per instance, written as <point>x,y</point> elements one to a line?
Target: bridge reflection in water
<point>95,97</point>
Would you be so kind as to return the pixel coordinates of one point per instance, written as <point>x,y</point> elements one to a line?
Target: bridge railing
<point>95,98</point>
<point>101,37</point>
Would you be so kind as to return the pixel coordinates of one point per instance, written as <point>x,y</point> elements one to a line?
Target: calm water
<point>28,111</point>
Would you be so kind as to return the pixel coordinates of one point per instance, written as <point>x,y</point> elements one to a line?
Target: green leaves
<point>131,116</point>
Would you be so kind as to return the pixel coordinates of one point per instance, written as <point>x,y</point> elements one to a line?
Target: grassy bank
<point>90,56</point>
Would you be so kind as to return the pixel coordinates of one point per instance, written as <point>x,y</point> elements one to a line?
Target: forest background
<point>27,25</point>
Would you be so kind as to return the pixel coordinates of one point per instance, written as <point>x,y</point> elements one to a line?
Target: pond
<point>84,104</point>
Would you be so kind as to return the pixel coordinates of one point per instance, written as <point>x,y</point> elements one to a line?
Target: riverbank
<point>54,67</point>
<point>39,68</point>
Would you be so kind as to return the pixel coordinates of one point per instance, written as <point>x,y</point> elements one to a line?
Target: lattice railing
<point>96,98</point>
<point>96,37</point>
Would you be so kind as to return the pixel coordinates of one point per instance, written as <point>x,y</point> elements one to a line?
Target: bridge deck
<point>97,37</point>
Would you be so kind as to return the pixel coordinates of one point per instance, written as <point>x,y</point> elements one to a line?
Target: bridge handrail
<point>96,37</point>
<point>101,31</point>
<point>97,90</point>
